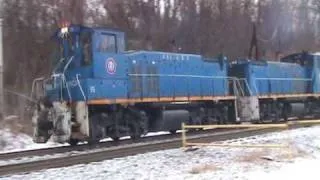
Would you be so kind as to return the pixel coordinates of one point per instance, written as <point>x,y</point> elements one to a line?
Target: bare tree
<point>206,27</point>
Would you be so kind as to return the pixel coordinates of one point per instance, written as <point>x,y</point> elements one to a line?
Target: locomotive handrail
<point>242,90</point>
<point>80,87</point>
<point>234,87</point>
<point>34,84</point>
<point>285,79</point>
<point>67,65</point>
<point>64,77</point>
<point>246,84</point>
<point>181,75</point>
<point>65,82</point>
<point>56,67</point>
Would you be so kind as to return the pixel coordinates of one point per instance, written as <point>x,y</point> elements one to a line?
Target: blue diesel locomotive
<point>272,89</point>
<point>98,89</point>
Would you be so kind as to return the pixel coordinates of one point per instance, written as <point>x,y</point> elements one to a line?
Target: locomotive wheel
<point>73,142</point>
<point>135,136</point>
<point>286,111</point>
<point>135,131</point>
<point>115,138</point>
<point>93,141</point>
<point>111,133</point>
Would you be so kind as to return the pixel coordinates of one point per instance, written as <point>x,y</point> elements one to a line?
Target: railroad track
<point>130,149</point>
<point>63,149</point>
<point>86,147</point>
<point>125,150</point>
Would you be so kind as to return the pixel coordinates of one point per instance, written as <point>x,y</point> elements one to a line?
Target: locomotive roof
<point>77,28</point>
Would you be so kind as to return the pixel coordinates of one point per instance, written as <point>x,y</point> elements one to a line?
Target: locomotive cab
<point>79,50</point>
<point>80,43</point>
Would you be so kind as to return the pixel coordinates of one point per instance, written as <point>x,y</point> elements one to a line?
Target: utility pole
<point>2,104</point>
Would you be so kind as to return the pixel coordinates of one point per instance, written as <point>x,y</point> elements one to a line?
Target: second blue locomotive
<point>272,88</point>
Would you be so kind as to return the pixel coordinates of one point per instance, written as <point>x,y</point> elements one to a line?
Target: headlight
<point>64,30</point>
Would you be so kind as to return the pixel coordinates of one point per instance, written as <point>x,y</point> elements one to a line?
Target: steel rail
<point>125,150</point>
<point>85,147</point>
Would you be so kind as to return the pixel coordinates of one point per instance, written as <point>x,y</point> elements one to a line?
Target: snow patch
<point>12,142</point>
<point>207,162</point>
<point>11,117</point>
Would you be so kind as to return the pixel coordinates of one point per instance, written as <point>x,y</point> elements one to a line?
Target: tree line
<point>206,27</point>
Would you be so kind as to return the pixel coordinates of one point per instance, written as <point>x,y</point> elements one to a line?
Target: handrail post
<point>183,135</point>
<point>290,152</point>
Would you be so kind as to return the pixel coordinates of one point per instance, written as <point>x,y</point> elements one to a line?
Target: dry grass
<point>254,156</point>
<point>291,153</point>
<point>282,154</point>
<point>204,168</point>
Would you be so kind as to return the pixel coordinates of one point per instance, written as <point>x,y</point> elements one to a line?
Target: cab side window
<point>86,44</point>
<point>107,43</point>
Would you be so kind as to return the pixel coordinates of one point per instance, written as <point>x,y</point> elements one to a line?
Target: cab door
<point>109,67</point>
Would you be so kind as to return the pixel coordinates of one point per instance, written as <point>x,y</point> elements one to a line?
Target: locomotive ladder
<point>240,87</point>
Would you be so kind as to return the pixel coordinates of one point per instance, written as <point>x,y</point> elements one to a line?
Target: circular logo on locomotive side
<point>111,66</point>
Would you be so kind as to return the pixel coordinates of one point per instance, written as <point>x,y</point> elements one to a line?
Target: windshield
<point>56,57</point>
<point>76,45</point>
<point>107,43</point>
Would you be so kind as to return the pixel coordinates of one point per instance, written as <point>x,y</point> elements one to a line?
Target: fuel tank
<point>169,120</point>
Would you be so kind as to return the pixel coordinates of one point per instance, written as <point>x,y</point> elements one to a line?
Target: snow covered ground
<point>11,142</point>
<point>302,161</point>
